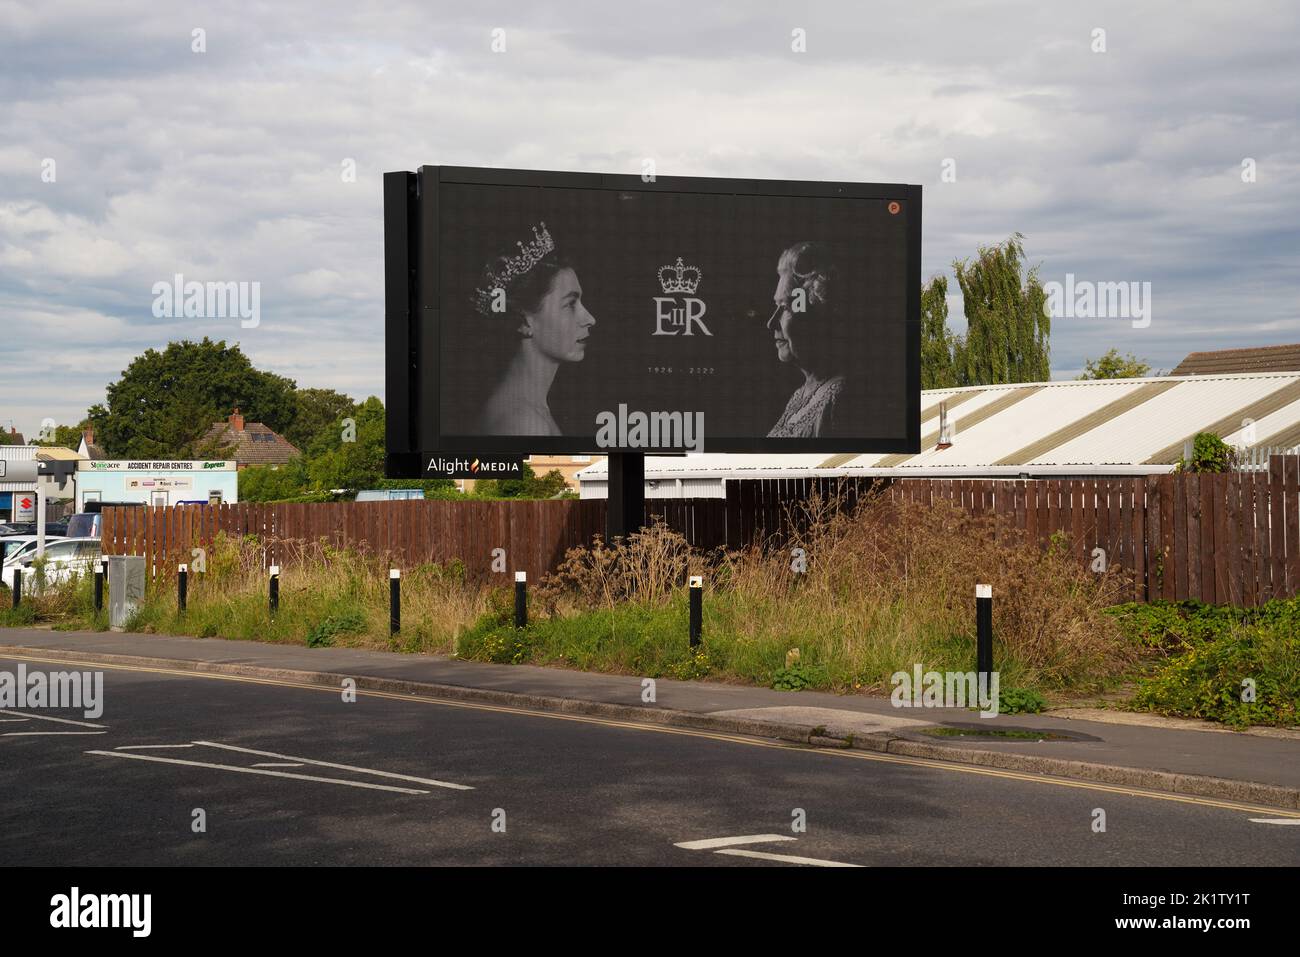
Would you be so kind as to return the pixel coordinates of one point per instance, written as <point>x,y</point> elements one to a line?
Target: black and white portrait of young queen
<point>807,327</point>
<point>531,301</point>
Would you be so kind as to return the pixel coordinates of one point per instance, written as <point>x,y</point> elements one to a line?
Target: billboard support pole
<point>625,506</point>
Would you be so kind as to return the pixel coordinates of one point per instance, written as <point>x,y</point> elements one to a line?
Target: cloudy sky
<point>227,164</point>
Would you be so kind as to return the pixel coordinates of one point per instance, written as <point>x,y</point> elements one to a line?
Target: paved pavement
<point>283,774</point>
<point>1239,757</point>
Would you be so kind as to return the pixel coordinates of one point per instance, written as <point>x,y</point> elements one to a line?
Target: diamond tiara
<point>530,255</point>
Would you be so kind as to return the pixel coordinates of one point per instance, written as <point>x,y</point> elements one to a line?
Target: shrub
<point>1020,701</point>
<point>1211,678</point>
<point>798,676</point>
<point>1209,454</point>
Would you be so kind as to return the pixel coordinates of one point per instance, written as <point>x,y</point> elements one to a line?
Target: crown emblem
<point>530,255</point>
<point>680,278</point>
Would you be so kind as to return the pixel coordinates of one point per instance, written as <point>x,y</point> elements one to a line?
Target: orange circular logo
<point>894,207</point>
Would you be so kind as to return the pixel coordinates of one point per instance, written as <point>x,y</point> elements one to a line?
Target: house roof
<point>254,444</point>
<point>1105,426</point>
<point>1222,361</point>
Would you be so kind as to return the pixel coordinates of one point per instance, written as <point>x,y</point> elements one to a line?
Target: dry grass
<point>887,586</point>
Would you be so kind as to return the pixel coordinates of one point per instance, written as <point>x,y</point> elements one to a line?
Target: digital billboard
<point>537,312</point>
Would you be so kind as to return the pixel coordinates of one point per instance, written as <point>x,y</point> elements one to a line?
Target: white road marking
<point>143,747</point>
<point>277,764</point>
<point>337,767</point>
<point>1275,820</point>
<point>32,734</point>
<point>13,720</point>
<point>274,774</point>
<point>44,717</point>
<point>786,858</point>
<point>713,842</point>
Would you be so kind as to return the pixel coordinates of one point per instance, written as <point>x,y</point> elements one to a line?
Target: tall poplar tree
<point>1008,329</point>
<point>938,344</point>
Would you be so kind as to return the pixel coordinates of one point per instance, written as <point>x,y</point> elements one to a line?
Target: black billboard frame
<point>412,322</point>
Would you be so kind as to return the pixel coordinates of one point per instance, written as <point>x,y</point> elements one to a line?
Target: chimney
<point>946,429</point>
<point>89,436</point>
<point>237,420</point>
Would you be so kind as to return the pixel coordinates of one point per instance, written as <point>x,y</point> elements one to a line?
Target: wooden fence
<point>1218,538</point>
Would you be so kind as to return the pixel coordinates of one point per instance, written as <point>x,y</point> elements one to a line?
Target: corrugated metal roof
<point>1018,425</point>
<point>1167,420</point>
<point>19,453</point>
<point>1129,425</point>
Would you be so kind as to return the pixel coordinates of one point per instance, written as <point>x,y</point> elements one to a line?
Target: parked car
<point>14,546</point>
<point>64,558</point>
<point>85,525</point>
<point>10,529</point>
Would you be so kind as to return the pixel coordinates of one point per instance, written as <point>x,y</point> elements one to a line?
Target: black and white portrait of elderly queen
<point>807,328</point>
<point>535,299</point>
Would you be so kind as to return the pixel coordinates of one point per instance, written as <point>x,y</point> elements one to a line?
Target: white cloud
<point>225,165</point>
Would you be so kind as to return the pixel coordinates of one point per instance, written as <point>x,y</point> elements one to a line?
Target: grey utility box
<point>125,588</point>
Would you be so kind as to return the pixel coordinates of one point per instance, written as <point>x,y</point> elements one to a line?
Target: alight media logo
<point>474,467</point>
<point>208,300</point>
<point>681,315</point>
<point>74,909</point>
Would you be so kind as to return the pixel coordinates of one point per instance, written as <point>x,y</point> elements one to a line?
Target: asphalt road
<point>292,775</point>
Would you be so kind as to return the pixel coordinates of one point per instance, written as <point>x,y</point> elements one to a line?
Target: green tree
<point>267,483</point>
<point>65,436</point>
<point>1007,327</point>
<point>352,465</point>
<point>165,401</point>
<point>318,416</point>
<point>938,344</point>
<point>1114,366</point>
<point>528,485</point>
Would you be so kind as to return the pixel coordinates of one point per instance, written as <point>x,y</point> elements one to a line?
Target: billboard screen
<point>579,313</point>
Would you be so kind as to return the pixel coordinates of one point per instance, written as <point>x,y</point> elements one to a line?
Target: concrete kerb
<point>1251,792</point>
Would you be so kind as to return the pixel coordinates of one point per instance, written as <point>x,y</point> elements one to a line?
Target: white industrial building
<point>1108,427</point>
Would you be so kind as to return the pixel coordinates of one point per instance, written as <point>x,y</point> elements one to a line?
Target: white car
<point>64,558</point>
<point>16,546</point>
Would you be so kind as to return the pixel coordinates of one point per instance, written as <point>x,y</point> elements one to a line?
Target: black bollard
<point>182,576</point>
<point>274,592</point>
<point>697,609</point>
<point>99,585</point>
<point>984,632</point>
<point>521,599</point>
<point>18,584</point>
<point>394,600</point>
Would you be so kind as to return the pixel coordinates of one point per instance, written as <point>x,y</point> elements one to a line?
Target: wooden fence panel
<point>1217,538</point>
<point>1291,485</point>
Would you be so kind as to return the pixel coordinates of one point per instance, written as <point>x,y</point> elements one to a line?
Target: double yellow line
<point>691,732</point>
